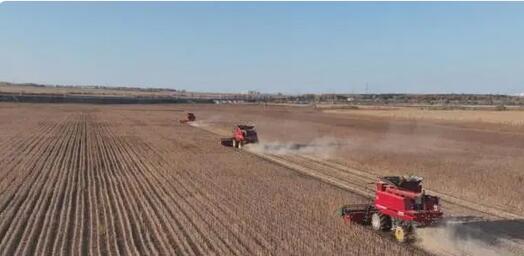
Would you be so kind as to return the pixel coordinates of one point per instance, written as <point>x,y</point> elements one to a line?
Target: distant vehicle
<point>400,205</point>
<point>242,135</point>
<point>190,118</point>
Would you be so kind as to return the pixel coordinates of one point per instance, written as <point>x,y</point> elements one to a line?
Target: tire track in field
<point>180,199</point>
<point>10,148</point>
<point>115,204</point>
<point>55,219</point>
<point>109,236</point>
<point>58,214</point>
<point>93,226</point>
<point>28,168</point>
<point>136,220</point>
<point>191,245</point>
<point>76,227</point>
<point>305,225</point>
<point>195,184</point>
<point>59,247</point>
<point>154,209</point>
<point>101,229</point>
<point>355,183</point>
<point>48,236</point>
<point>26,148</point>
<point>191,211</point>
<point>226,209</point>
<point>160,237</point>
<point>194,177</point>
<point>137,245</point>
<point>15,175</point>
<point>49,193</point>
<point>158,220</point>
<point>79,237</point>
<point>25,197</point>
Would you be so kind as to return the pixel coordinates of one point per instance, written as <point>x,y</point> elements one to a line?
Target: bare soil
<point>469,224</point>
<point>475,161</point>
<point>505,118</point>
<point>132,180</point>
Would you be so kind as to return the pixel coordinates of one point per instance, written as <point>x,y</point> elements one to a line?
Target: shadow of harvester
<point>227,142</point>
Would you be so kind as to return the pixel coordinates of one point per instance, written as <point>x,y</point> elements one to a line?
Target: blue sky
<point>269,47</point>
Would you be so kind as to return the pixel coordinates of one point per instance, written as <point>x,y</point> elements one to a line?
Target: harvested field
<point>509,118</point>
<point>128,180</point>
<point>475,161</point>
<point>296,138</point>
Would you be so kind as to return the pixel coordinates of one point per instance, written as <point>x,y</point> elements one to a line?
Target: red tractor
<point>400,205</point>
<point>243,134</point>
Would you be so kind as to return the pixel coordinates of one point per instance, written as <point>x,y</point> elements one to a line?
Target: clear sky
<point>269,47</point>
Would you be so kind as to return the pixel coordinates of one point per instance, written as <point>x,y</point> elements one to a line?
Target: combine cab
<point>400,205</point>
<point>242,134</point>
<point>190,118</point>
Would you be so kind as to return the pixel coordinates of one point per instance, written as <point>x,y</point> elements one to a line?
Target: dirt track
<point>131,180</point>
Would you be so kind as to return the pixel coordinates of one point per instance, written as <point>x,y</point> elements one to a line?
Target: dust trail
<point>207,121</point>
<point>324,147</point>
<point>456,238</point>
<point>200,123</point>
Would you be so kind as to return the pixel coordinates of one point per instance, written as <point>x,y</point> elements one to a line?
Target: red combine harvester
<point>190,118</point>
<point>242,134</point>
<point>400,205</point>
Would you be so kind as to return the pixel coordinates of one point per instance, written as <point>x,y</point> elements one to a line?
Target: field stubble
<point>490,222</point>
<point>475,161</point>
<point>79,180</point>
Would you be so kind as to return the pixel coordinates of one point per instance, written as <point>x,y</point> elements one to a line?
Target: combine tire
<point>401,234</point>
<point>380,221</point>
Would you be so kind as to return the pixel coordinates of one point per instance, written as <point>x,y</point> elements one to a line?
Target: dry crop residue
<point>91,180</point>
<point>471,228</point>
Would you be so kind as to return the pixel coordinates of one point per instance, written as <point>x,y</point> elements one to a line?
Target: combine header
<point>400,205</point>
<point>190,118</point>
<point>242,134</point>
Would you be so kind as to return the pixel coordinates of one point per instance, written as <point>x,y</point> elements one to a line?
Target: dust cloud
<point>455,238</point>
<point>324,147</point>
<point>207,122</point>
<point>199,123</point>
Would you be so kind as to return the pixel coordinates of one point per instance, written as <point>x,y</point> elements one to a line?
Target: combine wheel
<point>401,233</point>
<point>380,221</point>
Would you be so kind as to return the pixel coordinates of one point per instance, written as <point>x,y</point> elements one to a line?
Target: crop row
<point>118,183</point>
